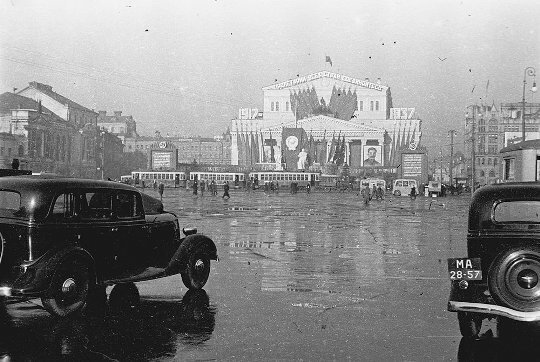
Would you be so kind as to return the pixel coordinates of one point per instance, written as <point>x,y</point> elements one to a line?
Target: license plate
<point>464,269</point>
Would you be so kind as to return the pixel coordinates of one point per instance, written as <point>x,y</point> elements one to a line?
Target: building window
<point>489,161</point>
<point>277,106</point>
<point>272,107</point>
<point>492,173</point>
<point>361,106</point>
<point>482,173</point>
<point>495,162</point>
<point>376,105</point>
<point>371,105</point>
<point>483,161</point>
<point>493,149</point>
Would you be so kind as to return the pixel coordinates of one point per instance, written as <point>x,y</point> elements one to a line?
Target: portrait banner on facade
<point>372,155</point>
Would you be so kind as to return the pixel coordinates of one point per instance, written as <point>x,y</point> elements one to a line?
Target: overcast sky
<point>186,67</point>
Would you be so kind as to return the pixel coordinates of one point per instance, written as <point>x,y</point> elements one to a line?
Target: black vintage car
<point>500,276</point>
<point>65,239</point>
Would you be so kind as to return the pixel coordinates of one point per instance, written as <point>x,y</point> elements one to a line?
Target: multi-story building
<point>40,139</point>
<point>319,112</point>
<point>82,159</point>
<point>123,127</point>
<point>204,150</point>
<point>489,129</point>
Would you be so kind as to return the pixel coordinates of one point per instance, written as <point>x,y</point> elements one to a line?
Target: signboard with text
<point>161,160</point>
<point>412,164</point>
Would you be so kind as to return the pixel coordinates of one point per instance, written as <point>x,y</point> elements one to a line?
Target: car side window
<point>399,183</point>
<point>126,205</point>
<point>100,205</point>
<point>64,206</point>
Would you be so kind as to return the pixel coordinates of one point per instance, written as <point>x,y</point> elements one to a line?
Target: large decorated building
<point>333,118</point>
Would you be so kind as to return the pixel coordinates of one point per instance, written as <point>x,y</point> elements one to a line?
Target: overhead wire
<point>143,84</point>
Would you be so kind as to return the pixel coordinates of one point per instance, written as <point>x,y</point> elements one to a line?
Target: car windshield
<point>10,200</point>
<point>517,211</point>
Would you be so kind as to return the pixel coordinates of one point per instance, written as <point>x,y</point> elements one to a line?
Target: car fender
<point>36,278</point>
<point>187,246</point>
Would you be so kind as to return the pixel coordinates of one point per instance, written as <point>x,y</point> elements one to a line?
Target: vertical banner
<point>293,141</point>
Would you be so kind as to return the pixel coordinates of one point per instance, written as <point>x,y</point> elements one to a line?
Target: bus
<point>235,179</point>
<point>167,178</point>
<point>285,177</point>
<point>402,187</point>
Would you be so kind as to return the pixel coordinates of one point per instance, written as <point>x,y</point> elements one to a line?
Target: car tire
<point>124,297</point>
<point>68,290</point>
<point>469,324</point>
<point>397,193</point>
<point>195,275</point>
<point>514,279</point>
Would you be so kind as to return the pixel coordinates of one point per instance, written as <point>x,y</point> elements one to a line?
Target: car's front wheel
<point>469,324</point>
<point>197,270</point>
<point>68,291</point>
<point>397,193</point>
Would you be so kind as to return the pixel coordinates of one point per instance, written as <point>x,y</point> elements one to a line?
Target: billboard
<point>161,160</point>
<point>412,164</point>
<point>372,155</point>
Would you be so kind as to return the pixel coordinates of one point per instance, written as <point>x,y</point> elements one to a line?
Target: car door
<point>130,233</point>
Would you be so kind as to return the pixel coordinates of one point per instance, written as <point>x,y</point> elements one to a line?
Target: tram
<point>235,179</point>
<point>167,178</point>
<point>285,178</point>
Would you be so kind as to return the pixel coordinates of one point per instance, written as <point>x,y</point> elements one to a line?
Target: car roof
<point>38,191</point>
<point>51,182</point>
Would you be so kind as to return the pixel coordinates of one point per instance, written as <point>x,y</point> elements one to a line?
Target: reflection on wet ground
<point>153,329</point>
<point>319,276</point>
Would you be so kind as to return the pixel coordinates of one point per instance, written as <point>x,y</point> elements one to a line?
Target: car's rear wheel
<point>68,289</point>
<point>397,193</point>
<point>514,279</point>
<point>469,324</point>
<point>195,275</point>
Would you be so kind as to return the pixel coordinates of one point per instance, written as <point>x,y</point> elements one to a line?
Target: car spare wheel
<point>197,270</point>
<point>68,290</point>
<point>514,279</point>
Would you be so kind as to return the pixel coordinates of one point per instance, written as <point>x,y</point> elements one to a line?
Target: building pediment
<point>325,123</point>
<point>330,77</point>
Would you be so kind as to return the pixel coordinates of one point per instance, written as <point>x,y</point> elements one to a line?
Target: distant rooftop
<point>47,89</point>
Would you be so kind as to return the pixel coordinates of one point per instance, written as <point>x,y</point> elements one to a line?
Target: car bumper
<point>477,299</point>
<point>494,309</point>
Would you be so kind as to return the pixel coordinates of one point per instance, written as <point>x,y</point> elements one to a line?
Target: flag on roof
<point>328,60</point>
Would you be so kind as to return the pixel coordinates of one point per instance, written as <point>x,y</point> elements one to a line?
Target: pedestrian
<point>374,192</point>
<point>142,184</point>
<point>272,186</point>
<point>155,184</point>
<point>308,188</point>
<point>202,188</point>
<point>413,193</point>
<point>380,193</point>
<point>213,188</point>
<point>277,187</point>
<point>366,195</point>
<point>195,185</point>
<point>161,189</point>
<point>226,190</point>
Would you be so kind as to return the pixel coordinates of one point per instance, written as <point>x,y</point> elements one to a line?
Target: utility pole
<point>452,133</point>
<point>441,166</point>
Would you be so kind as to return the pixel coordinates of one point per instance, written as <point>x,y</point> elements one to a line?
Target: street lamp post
<point>531,72</point>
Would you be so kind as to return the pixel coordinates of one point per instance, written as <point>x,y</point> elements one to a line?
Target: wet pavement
<point>317,276</point>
